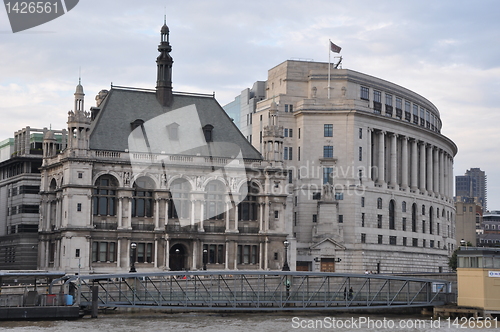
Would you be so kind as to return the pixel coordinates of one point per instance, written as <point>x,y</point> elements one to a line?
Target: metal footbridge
<point>255,290</point>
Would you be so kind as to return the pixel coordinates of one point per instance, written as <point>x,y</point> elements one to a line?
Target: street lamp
<point>285,265</point>
<point>205,259</point>
<point>463,243</point>
<point>133,247</point>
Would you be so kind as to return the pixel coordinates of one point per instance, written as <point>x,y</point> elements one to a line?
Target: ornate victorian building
<point>158,180</point>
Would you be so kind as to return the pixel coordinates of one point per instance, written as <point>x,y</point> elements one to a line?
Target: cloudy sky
<point>446,50</point>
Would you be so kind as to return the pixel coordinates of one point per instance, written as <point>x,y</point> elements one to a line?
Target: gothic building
<point>157,180</point>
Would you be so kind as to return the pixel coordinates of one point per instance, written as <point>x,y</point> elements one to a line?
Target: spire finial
<point>80,75</point>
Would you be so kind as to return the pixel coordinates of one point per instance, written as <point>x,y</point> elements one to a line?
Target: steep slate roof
<point>111,129</point>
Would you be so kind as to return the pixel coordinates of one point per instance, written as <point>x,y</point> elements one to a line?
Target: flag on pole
<point>335,48</point>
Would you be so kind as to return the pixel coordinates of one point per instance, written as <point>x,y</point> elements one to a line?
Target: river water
<point>241,322</point>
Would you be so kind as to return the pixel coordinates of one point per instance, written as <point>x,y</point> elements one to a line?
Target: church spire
<point>164,68</point>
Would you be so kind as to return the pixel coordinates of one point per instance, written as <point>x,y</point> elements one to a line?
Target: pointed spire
<point>164,68</point>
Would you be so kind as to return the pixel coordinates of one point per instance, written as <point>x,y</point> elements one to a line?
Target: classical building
<point>21,158</point>
<point>489,234</point>
<point>154,180</point>
<point>369,172</point>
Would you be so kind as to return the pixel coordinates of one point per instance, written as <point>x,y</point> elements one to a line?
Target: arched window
<point>247,209</point>
<point>179,205</point>
<point>215,207</point>
<point>423,210</point>
<point>142,200</point>
<point>392,224</point>
<point>53,185</point>
<point>104,198</point>
<point>403,207</point>
<point>414,217</point>
<point>379,203</point>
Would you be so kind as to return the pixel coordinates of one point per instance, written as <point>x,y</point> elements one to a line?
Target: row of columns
<point>422,166</point>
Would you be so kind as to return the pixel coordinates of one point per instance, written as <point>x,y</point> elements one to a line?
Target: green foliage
<point>453,260</point>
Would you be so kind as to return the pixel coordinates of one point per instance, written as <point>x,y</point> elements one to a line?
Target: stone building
<point>19,197</point>
<point>158,180</point>
<point>370,174</point>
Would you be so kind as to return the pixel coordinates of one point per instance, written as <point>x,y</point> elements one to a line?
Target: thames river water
<point>251,322</point>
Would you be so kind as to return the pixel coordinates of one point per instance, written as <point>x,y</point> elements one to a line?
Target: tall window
<point>248,254</point>
<point>142,200</point>
<point>104,198</point>
<point>392,224</point>
<point>215,200</point>
<point>327,151</point>
<point>328,130</point>
<point>247,209</point>
<point>379,203</point>
<point>144,253</point>
<point>328,175</point>
<point>414,217</point>
<point>103,251</point>
<point>179,205</point>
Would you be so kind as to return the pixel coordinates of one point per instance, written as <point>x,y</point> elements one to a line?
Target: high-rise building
<point>369,172</point>
<point>472,185</point>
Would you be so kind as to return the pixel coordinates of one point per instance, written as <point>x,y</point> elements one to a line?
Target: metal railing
<point>259,290</point>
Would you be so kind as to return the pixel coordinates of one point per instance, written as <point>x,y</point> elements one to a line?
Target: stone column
<point>450,180</point>
<point>120,212</point>
<point>192,212</point>
<point>155,250</point>
<point>261,217</point>
<point>381,158</point>
<point>414,165</point>
<point>236,217</point>
<point>369,165</point>
<point>157,214</point>
<point>404,163</point>
<point>394,164</point>
<point>441,173</point>
<point>167,253</point>
<point>228,208</point>
<point>435,169</point>
<point>166,212</point>
<point>129,219</point>
<point>422,167</point>
<point>429,168</point>
<point>226,258</point>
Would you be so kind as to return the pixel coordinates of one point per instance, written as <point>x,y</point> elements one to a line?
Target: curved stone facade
<point>370,174</point>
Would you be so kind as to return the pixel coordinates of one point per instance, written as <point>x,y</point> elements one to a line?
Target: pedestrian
<point>350,293</point>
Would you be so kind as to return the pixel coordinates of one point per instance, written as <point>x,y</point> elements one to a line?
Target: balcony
<point>248,230</point>
<point>105,225</point>
<point>214,229</point>
<point>142,227</point>
<point>173,228</point>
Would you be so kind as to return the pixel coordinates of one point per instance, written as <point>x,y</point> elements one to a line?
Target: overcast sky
<point>445,50</point>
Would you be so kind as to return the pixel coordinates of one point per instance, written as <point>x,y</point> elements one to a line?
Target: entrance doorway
<point>327,264</point>
<point>178,255</point>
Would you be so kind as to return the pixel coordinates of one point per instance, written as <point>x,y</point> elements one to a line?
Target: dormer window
<point>173,131</point>
<point>207,131</point>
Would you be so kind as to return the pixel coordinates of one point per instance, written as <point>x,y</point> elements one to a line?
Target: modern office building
<point>20,199</point>
<point>370,174</point>
<point>154,180</point>
<point>472,185</point>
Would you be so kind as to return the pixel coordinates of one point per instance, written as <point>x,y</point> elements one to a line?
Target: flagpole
<point>329,65</point>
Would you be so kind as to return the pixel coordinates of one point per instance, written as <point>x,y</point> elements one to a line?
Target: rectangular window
<point>290,176</point>
<point>379,221</point>
<point>365,93</point>
<point>327,151</point>
<point>80,175</point>
<point>298,153</point>
<point>285,153</point>
<point>380,239</point>
<point>404,223</point>
<point>276,214</point>
<point>79,207</point>
<point>360,133</point>
<point>363,238</point>
<point>362,202</point>
<point>388,99</point>
<point>341,218</point>
<point>414,242</point>
<point>290,155</point>
<point>424,243</point>
<point>360,153</point>
<point>423,226</point>
<point>328,130</point>
<point>415,114</point>
<point>377,101</point>
<point>404,241</point>
<point>285,132</point>
<point>407,111</point>
<point>316,196</point>
<point>363,219</point>
<point>328,175</point>
<point>392,240</point>
<point>339,196</point>
<point>290,132</point>
<point>315,218</point>
<point>299,133</point>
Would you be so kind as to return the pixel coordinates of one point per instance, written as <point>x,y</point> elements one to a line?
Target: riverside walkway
<point>256,290</point>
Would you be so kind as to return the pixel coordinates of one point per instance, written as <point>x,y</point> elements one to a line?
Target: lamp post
<point>133,247</point>
<point>285,264</point>
<point>205,259</point>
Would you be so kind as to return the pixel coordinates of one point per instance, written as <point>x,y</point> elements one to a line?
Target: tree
<point>453,260</point>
